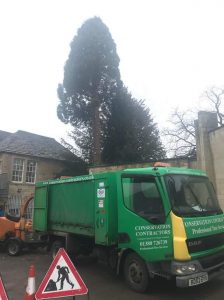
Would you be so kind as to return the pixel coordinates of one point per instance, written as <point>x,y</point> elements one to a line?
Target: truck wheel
<point>56,245</point>
<point>136,273</point>
<point>13,247</point>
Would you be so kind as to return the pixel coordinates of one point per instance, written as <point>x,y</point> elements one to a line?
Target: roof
<point>4,134</point>
<point>26,143</point>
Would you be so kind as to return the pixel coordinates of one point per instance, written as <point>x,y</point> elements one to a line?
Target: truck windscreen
<point>192,195</point>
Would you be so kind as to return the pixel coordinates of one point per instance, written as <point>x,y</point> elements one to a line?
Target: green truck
<point>145,222</point>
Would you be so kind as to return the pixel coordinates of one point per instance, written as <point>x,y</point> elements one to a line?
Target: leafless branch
<point>215,95</point>
<point>180,136</point>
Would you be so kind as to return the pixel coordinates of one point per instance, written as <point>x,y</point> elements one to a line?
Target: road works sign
<point>62,279</point>
<point>3,295</point>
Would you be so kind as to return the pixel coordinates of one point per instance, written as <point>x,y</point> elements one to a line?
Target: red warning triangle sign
<point>3,295</point>
<point>62,279</point>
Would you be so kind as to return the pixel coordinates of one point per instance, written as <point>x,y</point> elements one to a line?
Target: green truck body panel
<point>80,205</point>
<point>100,206</point>
<point>209,229</point>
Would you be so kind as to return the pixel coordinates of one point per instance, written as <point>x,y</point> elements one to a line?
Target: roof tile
<point>26,143</point>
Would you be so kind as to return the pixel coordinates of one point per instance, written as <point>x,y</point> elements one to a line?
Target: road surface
<point>102,284</point>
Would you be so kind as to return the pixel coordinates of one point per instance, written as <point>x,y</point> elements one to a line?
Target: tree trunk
<point>96,151</point>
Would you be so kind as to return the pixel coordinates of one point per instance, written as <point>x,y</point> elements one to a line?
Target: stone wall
<point>217,146</point>
<point>210,150</point>
<point>206,122</point>
<point>178,162</point>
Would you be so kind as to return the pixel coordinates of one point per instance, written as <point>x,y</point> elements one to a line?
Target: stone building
<point>26,158</point>
<point>210,150</point>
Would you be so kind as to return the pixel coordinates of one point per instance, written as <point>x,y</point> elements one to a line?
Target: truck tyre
<point>136,273</point>
<point>56,245</point>
<point>13,247</point>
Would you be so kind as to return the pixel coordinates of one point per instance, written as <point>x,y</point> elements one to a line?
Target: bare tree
<point>180,137</point>
<point>215,97</point>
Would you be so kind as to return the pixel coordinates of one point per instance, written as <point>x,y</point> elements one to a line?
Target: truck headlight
<point>185,269</point>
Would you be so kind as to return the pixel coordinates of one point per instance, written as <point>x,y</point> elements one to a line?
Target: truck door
<point>40,208</point>
<point>144,221</point>
<point>101,211</point>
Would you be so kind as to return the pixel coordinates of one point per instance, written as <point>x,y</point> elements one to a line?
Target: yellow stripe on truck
<point>179,238</point>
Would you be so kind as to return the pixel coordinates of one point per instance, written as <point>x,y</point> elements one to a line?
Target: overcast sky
<point>170,52</point>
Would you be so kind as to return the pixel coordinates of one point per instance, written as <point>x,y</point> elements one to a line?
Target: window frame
<point>14,170</point>
<point>27,171</point>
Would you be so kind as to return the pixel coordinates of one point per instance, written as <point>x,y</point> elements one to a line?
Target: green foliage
<point>109,125</point>
<point>131,134</point>
<point>91,77</point>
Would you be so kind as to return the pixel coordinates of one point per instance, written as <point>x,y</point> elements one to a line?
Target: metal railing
<point>14,204</point>
<point>4,185</point>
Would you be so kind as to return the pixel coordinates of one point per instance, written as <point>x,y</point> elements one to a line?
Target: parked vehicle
<point>146,222</point>
<point>16,232</point>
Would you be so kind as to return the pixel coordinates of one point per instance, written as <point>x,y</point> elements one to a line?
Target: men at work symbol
<point>62,275</point>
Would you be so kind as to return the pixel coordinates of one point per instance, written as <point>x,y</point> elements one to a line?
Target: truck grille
<point>205,243</point>
<point>212,260</point>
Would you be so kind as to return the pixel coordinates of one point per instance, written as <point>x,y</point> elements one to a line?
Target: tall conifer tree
<point>91,77</point>
<point>109,125</point>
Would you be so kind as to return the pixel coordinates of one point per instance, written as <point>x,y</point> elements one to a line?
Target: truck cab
<point>146,222</point>
<point>170,224</point>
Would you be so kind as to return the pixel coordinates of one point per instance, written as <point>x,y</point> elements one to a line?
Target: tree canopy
<point>91,77</point>
<point>109,125</point>
<point>131,134</point>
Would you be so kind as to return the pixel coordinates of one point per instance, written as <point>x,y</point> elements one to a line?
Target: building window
<point>17,172</point>
<point>31,171</point>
